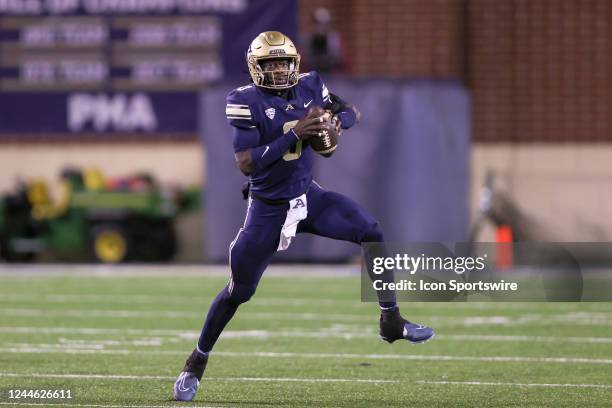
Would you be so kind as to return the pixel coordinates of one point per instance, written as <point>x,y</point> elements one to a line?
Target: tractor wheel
<point>109,243</point>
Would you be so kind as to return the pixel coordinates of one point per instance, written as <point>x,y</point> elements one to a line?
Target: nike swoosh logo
<point>181,386</point>
<point>265,151</point>
<point>308,103</point>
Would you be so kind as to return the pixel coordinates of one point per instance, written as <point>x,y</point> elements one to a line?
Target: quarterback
<point>275,130</point>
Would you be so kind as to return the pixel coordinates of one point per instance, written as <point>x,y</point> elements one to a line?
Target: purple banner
<point>171,114</point>
<point>111,67</point>
<point>211,35</point>
<point>32,8</point>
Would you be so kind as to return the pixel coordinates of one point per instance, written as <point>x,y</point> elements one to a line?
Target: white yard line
<point>273,301</point>
<point>135,314</point>
<point>347,333</point>
<point>298,271</point>
<point>285,379</point>
<point>86,376</point>
<point>172,378</point>
<point>419,357</point>
<point>165,299</point>
<point>537,339</point>
<point>96,331</point>
<point>66,404</point>
<point>265,354</point>
<point>132,314</point>
<point>514,384</point>
<point>575,318</point>
<point>157,336</point>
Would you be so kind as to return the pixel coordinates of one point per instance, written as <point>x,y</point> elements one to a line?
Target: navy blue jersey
<point>259,118</point>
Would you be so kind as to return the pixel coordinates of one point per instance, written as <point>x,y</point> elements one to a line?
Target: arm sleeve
<point>244,139</point>
<point>337,105</point>
<point>264,155</point>
<point>344,110</point>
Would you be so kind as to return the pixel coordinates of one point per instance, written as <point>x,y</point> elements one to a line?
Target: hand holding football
<point>326,142</point>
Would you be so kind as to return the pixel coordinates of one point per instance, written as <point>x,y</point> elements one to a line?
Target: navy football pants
<point>330,215</point>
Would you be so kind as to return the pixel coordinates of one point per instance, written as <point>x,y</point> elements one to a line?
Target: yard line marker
<point>324,380</point>
<point>584,318</point>
<point>542,339</point>
<point>172,378</point>
<point>149,299</point>
<point>285,379</point>
<point>94,331</point>
<point>419,357</point>
<point>163,271</point>
<point>328,332</point>
<point>64,404</point>
<point>408,357</point>
<point>94,376</point>
<point>137,314</point>
<point>96,313</point>
<point>275,301</point>
<point>513,384</point>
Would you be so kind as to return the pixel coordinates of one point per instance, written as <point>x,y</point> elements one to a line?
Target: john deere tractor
<point>109,221</point>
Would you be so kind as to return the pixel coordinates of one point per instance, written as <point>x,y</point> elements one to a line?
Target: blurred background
<point>481,120</point>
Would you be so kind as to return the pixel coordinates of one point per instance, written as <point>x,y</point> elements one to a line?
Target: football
<point>327,142</point>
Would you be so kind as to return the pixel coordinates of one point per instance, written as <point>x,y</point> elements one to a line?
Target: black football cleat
<point>394,327</point>
<point>188,381</point>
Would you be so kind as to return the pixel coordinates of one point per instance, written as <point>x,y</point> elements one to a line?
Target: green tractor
<point>109,221</point>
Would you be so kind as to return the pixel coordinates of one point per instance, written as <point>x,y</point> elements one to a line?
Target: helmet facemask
<point>278,78</point>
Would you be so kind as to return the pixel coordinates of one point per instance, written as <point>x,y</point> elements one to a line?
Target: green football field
<point>119,338</point>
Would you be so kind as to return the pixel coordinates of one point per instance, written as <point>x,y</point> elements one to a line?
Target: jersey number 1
<point>295,152</point>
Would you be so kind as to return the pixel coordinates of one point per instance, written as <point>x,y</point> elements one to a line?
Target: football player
<point>271,129</point>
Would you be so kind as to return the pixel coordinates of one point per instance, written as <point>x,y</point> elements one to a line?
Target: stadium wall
<point>538,71</point>
<point>168,161</point>
<point>396,38</point>
<point>564,189</point>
